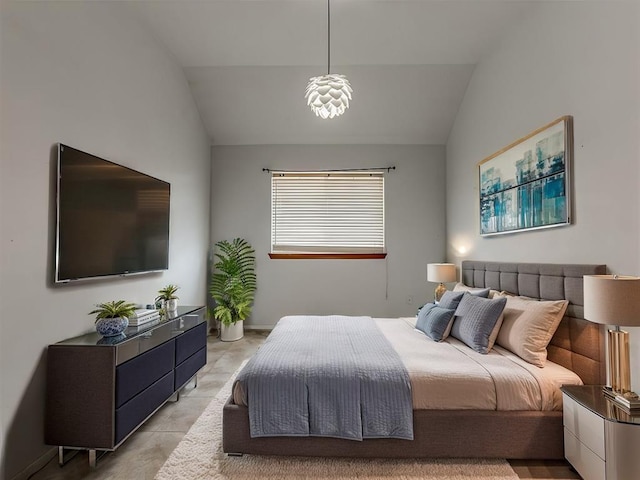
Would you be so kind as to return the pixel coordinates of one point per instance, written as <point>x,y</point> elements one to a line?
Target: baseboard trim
<point>258,327</point>
<point>37,464</point>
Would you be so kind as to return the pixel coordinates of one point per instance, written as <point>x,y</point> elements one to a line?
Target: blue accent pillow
<point>475,319</point>
<point>435,321</point>
<point>421,306</point>
<point>450,299</point>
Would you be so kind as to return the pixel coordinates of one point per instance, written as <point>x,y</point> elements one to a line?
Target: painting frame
<point>527,184</point>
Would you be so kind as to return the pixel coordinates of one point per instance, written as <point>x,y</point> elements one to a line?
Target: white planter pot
<point>233,332</point>
<point>171,305</point>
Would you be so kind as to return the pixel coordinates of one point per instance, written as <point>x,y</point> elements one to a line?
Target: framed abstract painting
<point>526,185</point>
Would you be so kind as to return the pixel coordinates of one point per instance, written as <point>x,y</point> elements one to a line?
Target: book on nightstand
<point>623,404</point>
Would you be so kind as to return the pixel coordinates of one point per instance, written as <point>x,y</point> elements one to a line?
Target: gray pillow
<point>450,299</point>
<point>435,321</point>
<point>483,292</point>
<point>475,319</point>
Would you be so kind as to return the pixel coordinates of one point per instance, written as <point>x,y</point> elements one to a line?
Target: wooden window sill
<point>327,256</point>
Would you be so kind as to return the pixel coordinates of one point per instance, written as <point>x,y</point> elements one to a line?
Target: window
<point>327,214</point>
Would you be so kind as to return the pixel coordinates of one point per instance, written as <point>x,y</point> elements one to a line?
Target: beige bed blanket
<point>451,376</point>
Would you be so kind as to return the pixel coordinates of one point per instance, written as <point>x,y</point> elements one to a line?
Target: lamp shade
<point>441,272</point>
<point>328,96</point>
<point>612,300</point>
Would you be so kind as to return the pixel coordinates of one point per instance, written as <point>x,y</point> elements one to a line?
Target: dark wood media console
<point>100,390</point>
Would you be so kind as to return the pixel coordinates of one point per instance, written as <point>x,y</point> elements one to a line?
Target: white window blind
<point>324,212</point>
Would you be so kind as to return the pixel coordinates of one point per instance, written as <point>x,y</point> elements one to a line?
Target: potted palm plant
<point>167,296</point>
<point>113,317</point>
<point>232,287</point>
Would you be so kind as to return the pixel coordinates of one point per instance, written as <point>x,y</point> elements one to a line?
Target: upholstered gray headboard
<point>577,344</point>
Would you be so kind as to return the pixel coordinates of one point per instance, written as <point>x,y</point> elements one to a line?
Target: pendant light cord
<point>328,37</point>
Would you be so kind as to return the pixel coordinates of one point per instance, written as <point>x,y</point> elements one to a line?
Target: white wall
<point>573,58</point>
<point>82,74</point>
<point>414,216</point>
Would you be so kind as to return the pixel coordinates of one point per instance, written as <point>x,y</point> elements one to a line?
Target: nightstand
<point>601,440</point>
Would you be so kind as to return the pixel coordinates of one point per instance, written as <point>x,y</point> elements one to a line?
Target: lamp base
<point>618,369</point>
<point>440,290</point>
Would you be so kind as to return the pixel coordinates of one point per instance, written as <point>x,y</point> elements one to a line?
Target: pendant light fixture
<point>328,95</point>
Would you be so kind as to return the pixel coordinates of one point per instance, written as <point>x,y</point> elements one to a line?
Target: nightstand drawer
<point>585,425</point>
<point>587,463</point>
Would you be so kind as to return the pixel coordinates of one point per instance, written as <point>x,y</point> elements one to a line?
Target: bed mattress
<point>451,376</point>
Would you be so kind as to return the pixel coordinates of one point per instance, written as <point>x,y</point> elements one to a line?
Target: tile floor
<point>142,455</point>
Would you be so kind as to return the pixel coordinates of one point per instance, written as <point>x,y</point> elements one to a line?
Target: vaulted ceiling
<point>248,63</point>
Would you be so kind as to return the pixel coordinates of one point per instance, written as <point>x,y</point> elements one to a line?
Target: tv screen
<point>111,220</point>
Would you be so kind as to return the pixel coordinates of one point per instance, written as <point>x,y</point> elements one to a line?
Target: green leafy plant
<point>168,293</point>
<point>233,282</point>
<point>113,309</point>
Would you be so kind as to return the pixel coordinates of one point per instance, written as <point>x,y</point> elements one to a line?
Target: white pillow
<point>496,329</point>
<point>528,325</point>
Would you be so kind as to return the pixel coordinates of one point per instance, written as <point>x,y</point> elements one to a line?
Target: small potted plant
<point>167,296</point>
<point>113,317</point>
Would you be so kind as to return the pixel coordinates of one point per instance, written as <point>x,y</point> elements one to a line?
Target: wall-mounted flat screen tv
<point>111,220</point>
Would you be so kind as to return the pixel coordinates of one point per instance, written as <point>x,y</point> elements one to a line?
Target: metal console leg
<point>62,459</point>
<point>92,458</point>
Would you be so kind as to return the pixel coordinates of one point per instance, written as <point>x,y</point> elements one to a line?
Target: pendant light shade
<point>328,95</point>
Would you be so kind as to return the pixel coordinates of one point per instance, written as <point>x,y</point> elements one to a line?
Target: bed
<point>467,430</point>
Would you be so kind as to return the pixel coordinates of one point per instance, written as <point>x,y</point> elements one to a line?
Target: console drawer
<point>190,342</point>
<point>134,376</point>
<point>129,416</point>
<point>157,336</point>
<point>189,367</point>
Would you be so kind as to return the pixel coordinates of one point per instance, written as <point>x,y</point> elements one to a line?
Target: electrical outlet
<point>409,300</point>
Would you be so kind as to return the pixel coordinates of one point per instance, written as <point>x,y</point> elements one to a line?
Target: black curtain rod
<point>388,169</point>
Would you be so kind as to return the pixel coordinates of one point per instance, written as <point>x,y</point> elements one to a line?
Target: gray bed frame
<point>577,345</point>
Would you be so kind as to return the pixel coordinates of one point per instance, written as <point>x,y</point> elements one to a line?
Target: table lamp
<point>615,300</point>
<point>441,273</point>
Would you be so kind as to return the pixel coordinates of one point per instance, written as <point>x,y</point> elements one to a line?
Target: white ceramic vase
<point>171,305</point>
<point>233,332</point>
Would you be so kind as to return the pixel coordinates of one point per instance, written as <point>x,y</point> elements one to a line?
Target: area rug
<point>199,456</point>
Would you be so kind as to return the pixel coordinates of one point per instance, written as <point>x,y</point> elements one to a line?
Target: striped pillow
<point>475,320</point>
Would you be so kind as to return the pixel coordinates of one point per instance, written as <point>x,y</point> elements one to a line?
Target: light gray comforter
<point>328,376</point>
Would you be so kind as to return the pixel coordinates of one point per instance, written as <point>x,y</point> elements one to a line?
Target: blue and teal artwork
<point>526,185</point>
